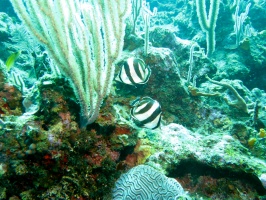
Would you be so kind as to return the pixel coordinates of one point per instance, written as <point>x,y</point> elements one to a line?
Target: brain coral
<point>145,183</point>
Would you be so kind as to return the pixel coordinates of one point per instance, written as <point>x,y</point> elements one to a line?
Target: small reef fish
<point>134,72</point>
<point>146,112</point>
<point>11,60</point>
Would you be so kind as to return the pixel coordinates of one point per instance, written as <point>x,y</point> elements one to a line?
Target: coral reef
<point>211,140</point>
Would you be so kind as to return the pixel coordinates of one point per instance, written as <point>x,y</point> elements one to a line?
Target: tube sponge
<point>208,23</point>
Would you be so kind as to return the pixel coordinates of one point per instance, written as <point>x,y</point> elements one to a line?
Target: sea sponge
<point>262,133</point>
<point>251,142</point>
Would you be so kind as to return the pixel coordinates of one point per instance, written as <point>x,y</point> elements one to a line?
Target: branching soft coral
<point>239,103</point>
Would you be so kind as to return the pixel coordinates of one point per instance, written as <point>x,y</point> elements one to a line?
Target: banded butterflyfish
<point>134,71</point>
<point>146,112</point>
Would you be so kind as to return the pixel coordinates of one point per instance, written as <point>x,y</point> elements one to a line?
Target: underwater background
<point>132,99</point>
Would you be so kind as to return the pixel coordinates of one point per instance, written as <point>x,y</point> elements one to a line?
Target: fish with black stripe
<point>134,71</point>
<point>146,112</point>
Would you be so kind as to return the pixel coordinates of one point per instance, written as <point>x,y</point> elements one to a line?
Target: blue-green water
<point>92,89</point>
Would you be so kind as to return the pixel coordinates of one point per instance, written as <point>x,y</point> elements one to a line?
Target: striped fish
<point>134,72</point>
<point>146,112</point>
